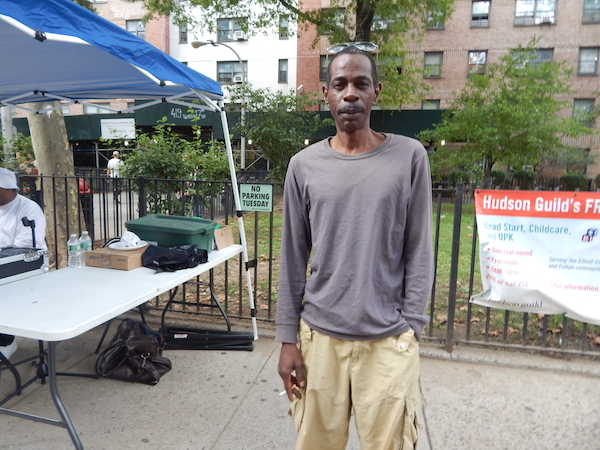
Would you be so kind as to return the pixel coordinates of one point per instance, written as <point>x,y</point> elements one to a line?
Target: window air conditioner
<point>546,20</point>
<point>239,35</point>
<point>238,79</point>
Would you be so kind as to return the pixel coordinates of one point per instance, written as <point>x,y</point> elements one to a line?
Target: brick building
<point>478,33</point>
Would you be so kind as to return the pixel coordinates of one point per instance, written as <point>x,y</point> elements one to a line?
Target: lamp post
<point>198,44</point>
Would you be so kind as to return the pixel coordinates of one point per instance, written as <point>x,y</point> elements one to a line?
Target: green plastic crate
<point>168,231</point>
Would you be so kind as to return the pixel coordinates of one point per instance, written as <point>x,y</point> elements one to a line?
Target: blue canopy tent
<point>57,50</point>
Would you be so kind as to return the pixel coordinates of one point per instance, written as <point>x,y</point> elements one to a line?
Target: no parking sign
<point>256,197</point>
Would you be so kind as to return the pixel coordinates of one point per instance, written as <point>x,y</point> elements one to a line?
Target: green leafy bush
<point>572,181</point>
<point>165,156</point>
<point>498,178</point>
<point>524,179</point>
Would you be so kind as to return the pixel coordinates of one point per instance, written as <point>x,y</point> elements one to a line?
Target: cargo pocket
<point>296,410</point>
<point>411,427</point>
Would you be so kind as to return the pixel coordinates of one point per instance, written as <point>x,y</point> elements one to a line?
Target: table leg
<point>55,397</point>
<point>5,362</point>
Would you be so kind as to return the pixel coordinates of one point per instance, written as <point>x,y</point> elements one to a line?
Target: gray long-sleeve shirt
<point>367,220</point>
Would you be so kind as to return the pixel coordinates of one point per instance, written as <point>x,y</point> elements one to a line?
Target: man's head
<point>352,89</point>
<point>115,154</point>
<point>8,186</point>
<point>353,50</point>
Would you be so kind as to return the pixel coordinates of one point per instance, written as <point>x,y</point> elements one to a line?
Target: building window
<point>387,66</point>
<point>231,71</point>
<point>284,28</point>
<point>477,60</point>
<point>480,14</point>
<point>231,29</point>
<point>379,23</point>
<point>588,61</point>
<point>583,109</point>
<point>65,110</point>
<point>283,71</point>
<point>335,16</point>
<point>433,64</point>
<point>183,33</point>
<point>579,167</point>
<point>385,23</point>
<point>136,27</point>
<point>93,109</point>
<point>591,11</point>
<point>430,104</point>
<point>324,62</point>
<point>535,12</point>
<point>435,20</point>
<point>538,56</point>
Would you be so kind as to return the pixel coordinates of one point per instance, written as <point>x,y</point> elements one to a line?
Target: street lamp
<point>198,44</point>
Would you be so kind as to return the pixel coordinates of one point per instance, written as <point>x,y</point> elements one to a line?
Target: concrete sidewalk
<point>472,399</point>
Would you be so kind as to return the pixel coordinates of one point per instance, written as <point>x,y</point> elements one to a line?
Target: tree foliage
<point>164,155</point>
<point>277,123</point>
<point>21,151</point>
<point>398,22</point>
<point>86,4</point>
<point>510,116</point>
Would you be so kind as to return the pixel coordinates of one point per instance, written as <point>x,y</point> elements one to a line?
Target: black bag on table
<point>174,258</point>
<point>134,354</point>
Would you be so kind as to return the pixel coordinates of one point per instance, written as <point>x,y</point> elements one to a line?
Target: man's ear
<point>324,90</point>
<point>377,92</point>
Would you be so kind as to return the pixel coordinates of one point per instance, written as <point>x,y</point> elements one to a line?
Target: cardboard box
<point>223,237</point>
<point>115,259</point>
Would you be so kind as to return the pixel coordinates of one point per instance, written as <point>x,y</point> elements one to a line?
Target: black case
<point>19,263</point>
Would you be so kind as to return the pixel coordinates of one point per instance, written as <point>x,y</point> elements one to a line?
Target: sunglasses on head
<point>364,46</point>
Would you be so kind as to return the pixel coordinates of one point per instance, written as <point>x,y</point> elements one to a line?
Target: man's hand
<point>291,370</point>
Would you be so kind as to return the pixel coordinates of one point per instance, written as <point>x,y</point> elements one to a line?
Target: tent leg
<point>238,207</point>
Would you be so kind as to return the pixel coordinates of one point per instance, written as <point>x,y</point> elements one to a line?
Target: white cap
<point>115,153</point>
<point>8,179</point>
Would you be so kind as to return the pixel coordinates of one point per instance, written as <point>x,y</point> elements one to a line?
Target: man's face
<point>7,196</point>
<point>351,92</point>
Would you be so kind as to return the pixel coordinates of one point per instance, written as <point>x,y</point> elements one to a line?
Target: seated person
<point>13,233</point>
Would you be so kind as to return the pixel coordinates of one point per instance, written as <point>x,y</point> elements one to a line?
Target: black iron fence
<point>106,204</point>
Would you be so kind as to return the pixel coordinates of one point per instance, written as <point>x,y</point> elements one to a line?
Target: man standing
<point>361,203</point>
<point>113,170</point>
<point>14,232</point>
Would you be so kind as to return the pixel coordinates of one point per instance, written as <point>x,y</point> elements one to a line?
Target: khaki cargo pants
<point>377,379</point>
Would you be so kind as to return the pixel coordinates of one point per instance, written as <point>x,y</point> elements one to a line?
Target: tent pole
<point>238,208</point>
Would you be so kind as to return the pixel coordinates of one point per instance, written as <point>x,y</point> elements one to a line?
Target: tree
<point>54,157</point>
<point>166,156</point>
<point>388,23</point>
<point>509,116</point>
<point>277,123</point>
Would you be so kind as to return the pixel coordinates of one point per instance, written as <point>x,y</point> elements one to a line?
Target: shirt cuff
<point>286,334</point>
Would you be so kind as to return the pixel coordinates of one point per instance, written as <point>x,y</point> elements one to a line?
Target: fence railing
<point>453,319</point>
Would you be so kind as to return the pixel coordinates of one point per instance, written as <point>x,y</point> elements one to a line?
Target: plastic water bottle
<point>74,249</point>
<point>85,241</point>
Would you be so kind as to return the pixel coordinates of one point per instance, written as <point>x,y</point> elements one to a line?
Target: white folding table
<point>66,303</point>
